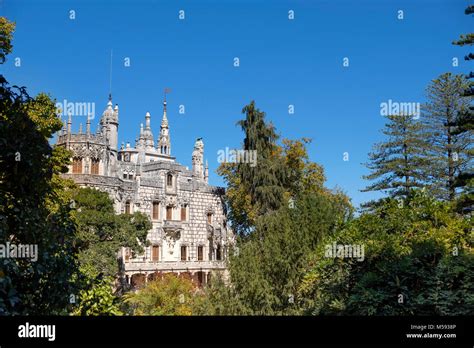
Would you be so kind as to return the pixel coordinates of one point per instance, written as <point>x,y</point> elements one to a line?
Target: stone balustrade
<point>138,266</point>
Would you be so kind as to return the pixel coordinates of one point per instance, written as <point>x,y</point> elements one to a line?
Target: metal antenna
<point>167,90</point>
<point>110,86</point>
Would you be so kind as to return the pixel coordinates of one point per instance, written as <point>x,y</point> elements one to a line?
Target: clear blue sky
<point>282,62</point>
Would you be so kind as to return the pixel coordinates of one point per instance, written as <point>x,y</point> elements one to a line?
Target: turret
<point>109,123</point>
<point>148,134</point>
<point>164,141</point>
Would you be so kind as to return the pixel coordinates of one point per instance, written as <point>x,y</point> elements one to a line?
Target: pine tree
<point>265,181</point>
<point>255,188</point>
<point>396,162</point>
<point>465,124</point>
<point>448,149</point>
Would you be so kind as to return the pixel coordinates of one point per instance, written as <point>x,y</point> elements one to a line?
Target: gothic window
<point>166,150</point>
<point>169,213</point>
<point>155,211</point>
<point>183,213</point>
<point>183,253</point>
<point>155,254</point>
<point>125,175</point>
<point>209,218</point>
<point>127,207</point>
<point>95,166</point>
<point>200,253</point>
<point>77,165</point>
<point>130,176</point>
<point>219,253</point>
<point>169,180</point>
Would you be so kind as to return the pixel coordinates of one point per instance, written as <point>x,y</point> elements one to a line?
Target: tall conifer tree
<point>448,149</point>
<point>395,163</point>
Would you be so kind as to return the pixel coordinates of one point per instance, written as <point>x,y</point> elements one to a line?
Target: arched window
<point>219,253</point>
<point>209,218</point>
<point>169,180</point>
<point>95,166</point>
<point>77,165</point>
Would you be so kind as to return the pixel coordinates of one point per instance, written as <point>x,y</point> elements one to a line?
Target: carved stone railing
<point>133,265</point>
<point>89,179</point>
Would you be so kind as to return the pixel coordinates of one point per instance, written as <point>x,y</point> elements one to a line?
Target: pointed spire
<point>164,121</point>
<point>164,142</point>
<point>69,123</point>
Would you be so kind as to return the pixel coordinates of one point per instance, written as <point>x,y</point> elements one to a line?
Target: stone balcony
<point>173,266</point>
<point>173,228</point>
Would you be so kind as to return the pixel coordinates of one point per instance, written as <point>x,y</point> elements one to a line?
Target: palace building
<point>190,234</point>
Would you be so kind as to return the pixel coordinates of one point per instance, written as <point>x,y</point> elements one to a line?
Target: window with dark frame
<point>95,166</point>
<point>127,207</point>
<point>209,218</point>
<point>200,253</point>
<point>169,180</point>
<point>169,213</point>
<point>183,253</point>
<point>183,213</point>
<point>77,165</point>
<point>155,211</point>
<point>155,254</point>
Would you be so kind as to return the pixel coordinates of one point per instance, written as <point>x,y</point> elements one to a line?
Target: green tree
<point>465,124</point>
<point>448,150</point>
<point>96,295</point>
<point>6,35</point>
<point>417,261</point>
<point>31,211</point>
<point>266,267</point>
<point>396,163</point>
<point>171,295</point>
<point>100,233</point>
<point>254,189</point>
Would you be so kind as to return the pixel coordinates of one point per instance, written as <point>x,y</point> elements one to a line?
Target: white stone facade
<point>190,233</point>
